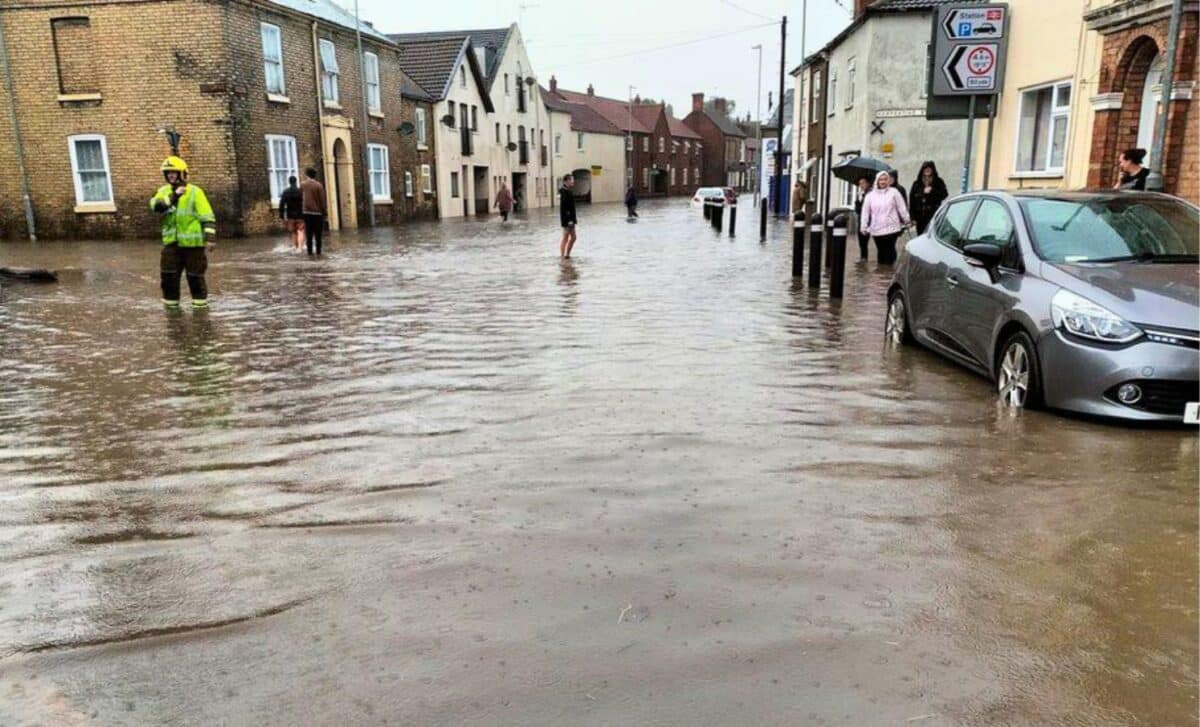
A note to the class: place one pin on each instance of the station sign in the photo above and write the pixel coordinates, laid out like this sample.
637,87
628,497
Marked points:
969,48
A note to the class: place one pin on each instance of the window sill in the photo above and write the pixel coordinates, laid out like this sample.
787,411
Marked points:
332,105
375,114
93,208
77,97
1036,175
278,98
422,147
382,200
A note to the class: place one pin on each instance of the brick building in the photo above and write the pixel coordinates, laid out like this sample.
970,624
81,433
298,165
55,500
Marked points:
257,90
674,163
723,143
1128,100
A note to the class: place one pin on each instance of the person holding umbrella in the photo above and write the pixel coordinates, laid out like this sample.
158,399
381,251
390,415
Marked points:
884,217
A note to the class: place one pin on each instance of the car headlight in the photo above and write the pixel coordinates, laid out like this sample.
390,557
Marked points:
1081,317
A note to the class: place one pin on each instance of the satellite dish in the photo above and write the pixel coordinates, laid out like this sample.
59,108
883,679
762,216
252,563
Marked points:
406,128
530,80
512,146
448,119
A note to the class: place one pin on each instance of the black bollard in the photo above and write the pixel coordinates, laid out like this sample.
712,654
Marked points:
732,217
837,255
718,215
798,245
829,233
815,229
707,210
762,221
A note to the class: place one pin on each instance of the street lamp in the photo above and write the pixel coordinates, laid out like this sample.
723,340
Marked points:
758,123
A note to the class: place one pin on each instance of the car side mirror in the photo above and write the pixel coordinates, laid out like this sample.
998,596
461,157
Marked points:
986,255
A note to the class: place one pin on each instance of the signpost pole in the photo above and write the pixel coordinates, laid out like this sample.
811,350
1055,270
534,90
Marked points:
987,154
966,178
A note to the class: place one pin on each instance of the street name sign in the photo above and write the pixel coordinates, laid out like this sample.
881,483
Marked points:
969,48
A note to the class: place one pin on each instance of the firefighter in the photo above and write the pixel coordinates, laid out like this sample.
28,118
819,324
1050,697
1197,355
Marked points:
188,226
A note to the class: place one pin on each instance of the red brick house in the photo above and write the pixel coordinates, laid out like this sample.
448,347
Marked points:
723,144
1128,96
673,165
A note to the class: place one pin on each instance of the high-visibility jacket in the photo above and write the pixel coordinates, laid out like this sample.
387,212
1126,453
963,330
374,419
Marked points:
189,220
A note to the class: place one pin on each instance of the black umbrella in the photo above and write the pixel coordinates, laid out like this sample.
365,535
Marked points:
852,170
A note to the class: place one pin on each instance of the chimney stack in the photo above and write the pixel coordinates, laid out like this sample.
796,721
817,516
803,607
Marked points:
553,84
719,105
591,91
637,99
697,102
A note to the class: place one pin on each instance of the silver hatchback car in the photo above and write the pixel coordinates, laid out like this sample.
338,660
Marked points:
1082,301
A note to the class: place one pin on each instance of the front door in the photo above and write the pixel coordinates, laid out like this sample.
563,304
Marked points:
975,301
518,191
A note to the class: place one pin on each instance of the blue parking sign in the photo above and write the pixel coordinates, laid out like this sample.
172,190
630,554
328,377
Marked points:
964,30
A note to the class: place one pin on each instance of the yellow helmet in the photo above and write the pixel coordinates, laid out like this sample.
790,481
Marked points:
174,164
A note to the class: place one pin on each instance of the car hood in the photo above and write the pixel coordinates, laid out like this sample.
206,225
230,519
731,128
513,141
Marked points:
1162,294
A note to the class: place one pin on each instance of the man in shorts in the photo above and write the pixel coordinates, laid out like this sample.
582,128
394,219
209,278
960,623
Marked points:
566,214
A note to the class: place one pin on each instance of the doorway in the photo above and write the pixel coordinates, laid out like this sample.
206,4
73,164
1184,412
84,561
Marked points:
482,194
658,182
518,191
343,184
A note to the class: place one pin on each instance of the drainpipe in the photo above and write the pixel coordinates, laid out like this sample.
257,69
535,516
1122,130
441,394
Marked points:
362,71
550,152
1155,180
26,200
316,47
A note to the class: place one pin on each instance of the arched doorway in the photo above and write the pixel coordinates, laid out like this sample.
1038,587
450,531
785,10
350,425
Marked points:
1151,105
343,183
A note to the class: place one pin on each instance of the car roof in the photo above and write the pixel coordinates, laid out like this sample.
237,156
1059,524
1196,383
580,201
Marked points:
1069,195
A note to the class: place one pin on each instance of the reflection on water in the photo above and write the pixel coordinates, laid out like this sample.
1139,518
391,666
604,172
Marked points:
442,474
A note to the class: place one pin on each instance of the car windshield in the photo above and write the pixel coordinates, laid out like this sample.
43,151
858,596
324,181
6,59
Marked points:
1109,229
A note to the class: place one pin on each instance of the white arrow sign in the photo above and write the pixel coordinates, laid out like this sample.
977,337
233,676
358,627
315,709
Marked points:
974,24
972,67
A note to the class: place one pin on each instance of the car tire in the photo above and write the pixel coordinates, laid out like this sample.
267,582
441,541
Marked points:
1018,374
896,331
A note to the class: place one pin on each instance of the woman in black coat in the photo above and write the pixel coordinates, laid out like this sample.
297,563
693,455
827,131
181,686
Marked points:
927,194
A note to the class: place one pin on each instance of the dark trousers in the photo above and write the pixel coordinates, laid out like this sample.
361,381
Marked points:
314,225
631,209
885,246
504,215
190,260
922,224
864,240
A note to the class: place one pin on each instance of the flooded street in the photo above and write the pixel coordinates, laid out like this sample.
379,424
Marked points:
441,478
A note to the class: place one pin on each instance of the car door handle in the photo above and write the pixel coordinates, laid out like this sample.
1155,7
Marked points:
952,280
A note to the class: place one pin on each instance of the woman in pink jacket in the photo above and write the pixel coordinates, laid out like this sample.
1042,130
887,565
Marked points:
884,217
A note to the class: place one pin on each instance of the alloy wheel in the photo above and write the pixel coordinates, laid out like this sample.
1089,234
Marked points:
1013,381
896,321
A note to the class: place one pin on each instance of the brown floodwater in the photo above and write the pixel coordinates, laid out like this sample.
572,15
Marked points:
439,477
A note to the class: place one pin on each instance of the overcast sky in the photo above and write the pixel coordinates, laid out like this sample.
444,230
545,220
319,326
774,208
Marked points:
614,43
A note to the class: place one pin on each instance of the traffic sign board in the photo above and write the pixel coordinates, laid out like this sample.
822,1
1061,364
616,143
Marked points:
969,48
975,23
972,68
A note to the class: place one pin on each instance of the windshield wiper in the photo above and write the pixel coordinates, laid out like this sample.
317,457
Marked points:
1145,256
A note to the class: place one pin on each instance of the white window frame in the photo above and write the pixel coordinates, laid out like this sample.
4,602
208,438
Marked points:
408,184
685,176
815,98
662,144
329,71
371,68
426,179
422,128
851,81
292,171
268,61
75,172
696,173
645,143
831,102
381,175
672,176
1056,113
927,78
579,141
